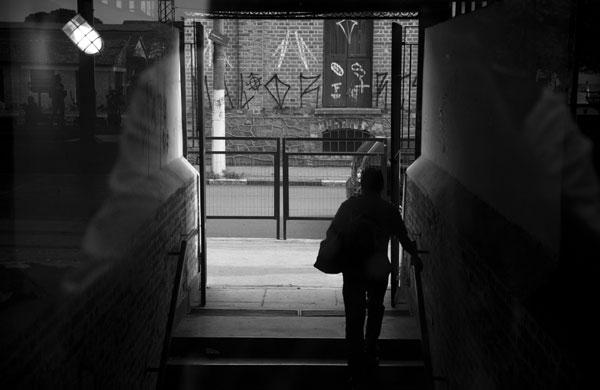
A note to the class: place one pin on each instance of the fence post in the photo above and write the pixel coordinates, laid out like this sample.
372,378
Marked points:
277,183
286,188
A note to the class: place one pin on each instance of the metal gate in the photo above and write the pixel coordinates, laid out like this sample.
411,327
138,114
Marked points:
249,188
315,182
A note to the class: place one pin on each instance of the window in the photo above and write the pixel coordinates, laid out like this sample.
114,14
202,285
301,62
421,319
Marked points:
344,133
119,3
347,59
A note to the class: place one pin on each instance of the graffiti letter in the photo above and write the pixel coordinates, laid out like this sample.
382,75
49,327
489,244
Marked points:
309,88
381,84
347,27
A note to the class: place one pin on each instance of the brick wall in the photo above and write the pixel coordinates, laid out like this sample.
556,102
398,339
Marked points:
102,325
280,51
107,335
479,269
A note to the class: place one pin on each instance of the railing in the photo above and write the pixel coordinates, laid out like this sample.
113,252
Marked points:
239,202
330,199
166,344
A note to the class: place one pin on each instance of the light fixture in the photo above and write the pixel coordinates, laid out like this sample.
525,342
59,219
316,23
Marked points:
83,35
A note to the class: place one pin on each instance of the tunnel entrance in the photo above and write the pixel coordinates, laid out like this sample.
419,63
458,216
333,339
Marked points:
308,77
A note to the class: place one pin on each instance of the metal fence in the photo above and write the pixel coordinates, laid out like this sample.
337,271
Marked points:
315,183
249,188
284,179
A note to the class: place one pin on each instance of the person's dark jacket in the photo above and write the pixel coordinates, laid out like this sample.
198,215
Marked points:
383,213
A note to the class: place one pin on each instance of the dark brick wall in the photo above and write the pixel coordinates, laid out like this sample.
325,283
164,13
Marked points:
106,336
484,200
479,270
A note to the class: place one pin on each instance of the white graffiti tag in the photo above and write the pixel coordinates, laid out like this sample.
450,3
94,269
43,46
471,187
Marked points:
337,69
303,50
282,49
347,27
336,90
209,49
301,46
360,73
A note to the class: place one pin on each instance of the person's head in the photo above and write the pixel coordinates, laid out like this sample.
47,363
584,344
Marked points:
371,181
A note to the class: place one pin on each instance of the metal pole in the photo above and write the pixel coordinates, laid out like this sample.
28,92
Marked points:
395,143
182,81
286,195
218,112
86,96
199,39
277,183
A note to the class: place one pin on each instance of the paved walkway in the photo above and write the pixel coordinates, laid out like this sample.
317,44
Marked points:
253,273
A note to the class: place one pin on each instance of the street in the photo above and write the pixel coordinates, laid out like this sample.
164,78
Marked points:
249,200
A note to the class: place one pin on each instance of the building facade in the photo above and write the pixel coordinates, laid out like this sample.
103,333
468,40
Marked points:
303,77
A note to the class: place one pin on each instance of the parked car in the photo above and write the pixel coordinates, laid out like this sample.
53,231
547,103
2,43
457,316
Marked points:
359,163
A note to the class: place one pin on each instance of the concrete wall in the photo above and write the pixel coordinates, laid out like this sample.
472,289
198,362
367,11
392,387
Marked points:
102,326
485,198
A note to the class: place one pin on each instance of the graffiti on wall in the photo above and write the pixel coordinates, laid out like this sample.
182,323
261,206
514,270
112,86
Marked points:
277,89
253,83
310,88
358,89
209,50
302,50
381,88
347,27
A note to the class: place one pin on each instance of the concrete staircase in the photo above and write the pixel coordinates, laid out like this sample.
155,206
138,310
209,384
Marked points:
284,349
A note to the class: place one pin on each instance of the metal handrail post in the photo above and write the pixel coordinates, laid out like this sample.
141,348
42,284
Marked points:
417,266
277,183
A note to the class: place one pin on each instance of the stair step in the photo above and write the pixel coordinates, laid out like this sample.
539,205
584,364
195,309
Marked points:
205,361
286,326
251,374
400,310
286,348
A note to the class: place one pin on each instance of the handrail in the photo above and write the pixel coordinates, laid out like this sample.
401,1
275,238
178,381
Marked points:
166,345
417,266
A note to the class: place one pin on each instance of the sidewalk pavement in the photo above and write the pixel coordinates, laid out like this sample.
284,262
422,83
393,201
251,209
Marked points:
264,175
248,273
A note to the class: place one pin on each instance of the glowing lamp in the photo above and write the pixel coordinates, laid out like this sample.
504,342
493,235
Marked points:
83,35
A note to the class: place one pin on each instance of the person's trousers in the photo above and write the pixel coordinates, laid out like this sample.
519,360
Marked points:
362,297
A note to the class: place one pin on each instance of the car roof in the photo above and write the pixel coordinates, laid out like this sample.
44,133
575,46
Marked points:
370,147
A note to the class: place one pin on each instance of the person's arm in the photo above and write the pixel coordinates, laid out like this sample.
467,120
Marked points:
399,230
338,222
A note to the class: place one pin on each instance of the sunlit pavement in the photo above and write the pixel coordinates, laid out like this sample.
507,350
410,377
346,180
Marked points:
245,273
